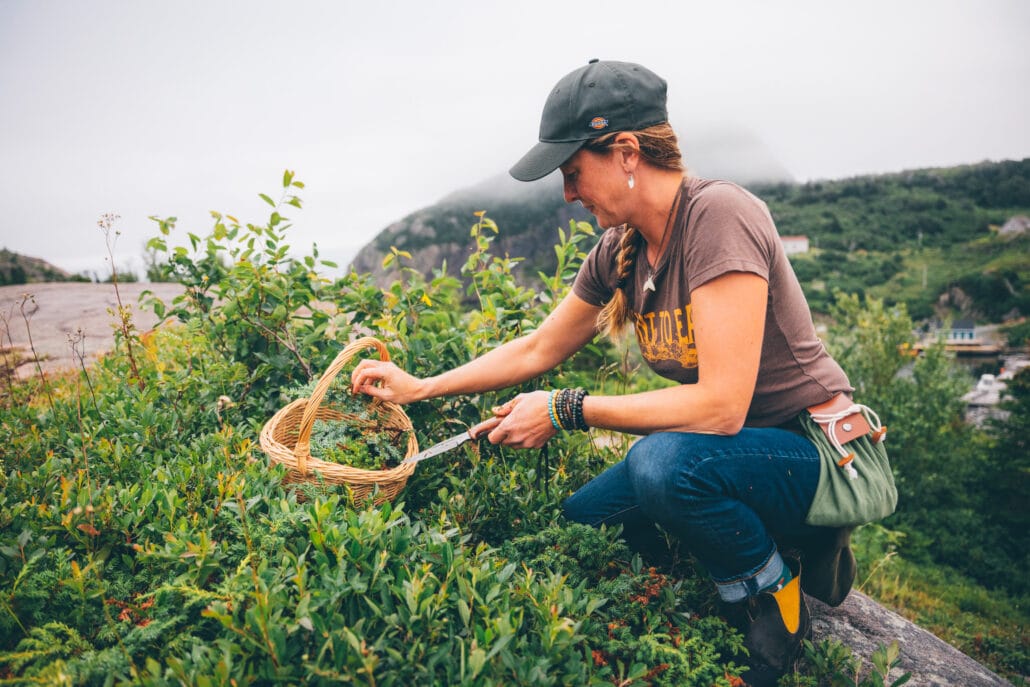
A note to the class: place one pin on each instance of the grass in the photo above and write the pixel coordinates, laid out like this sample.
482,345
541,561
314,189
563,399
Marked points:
988,625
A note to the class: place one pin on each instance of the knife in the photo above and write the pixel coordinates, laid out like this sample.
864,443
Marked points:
452,443
437,449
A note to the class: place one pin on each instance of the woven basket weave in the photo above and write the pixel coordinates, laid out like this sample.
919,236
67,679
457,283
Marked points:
286,437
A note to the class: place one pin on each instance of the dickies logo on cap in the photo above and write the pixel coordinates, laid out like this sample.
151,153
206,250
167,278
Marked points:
598,123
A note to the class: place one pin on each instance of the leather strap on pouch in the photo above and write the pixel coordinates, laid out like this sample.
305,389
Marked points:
846,428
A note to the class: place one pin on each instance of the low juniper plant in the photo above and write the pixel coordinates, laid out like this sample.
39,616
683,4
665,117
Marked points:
361,435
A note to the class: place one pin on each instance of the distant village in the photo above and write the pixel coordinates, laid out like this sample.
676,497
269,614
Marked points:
963,338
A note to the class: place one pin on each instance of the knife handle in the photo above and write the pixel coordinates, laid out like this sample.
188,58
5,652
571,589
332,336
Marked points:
485,427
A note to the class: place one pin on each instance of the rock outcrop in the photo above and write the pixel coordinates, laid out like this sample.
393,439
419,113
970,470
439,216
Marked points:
528,215
864,625
57,311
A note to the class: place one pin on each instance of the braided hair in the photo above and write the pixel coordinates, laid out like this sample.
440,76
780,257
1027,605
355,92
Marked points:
615,312
658,147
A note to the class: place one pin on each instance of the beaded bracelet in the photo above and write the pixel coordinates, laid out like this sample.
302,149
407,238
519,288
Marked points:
561,407
551,412
578,418
566,409
579,422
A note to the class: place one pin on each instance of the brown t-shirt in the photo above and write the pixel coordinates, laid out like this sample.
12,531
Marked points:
721,228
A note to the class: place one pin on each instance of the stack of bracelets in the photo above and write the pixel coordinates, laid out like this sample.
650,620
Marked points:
565,406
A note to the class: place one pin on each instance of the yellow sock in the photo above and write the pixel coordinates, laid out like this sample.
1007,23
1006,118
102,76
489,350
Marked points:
788,599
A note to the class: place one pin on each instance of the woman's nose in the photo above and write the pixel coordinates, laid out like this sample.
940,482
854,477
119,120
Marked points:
570,191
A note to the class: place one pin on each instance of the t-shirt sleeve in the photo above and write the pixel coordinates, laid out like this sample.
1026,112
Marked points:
595,281
732,232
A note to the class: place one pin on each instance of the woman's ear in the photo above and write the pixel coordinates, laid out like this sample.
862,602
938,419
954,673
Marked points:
627,147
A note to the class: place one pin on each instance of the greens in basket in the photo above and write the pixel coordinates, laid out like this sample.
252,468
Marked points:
361,438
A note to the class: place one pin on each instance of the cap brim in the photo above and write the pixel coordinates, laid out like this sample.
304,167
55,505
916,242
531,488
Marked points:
544,158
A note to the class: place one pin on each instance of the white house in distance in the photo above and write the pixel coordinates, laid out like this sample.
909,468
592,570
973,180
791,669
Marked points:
1016,226
792,245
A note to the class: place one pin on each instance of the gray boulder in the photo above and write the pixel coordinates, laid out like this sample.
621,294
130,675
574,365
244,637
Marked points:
864,625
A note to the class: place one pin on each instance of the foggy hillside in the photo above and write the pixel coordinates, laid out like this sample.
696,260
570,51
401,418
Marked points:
529,214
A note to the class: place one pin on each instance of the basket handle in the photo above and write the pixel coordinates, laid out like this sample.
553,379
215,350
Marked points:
302,449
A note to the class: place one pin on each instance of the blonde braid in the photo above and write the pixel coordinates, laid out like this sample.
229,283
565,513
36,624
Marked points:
613,316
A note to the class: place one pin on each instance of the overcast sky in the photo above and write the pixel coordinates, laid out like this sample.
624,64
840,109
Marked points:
179,108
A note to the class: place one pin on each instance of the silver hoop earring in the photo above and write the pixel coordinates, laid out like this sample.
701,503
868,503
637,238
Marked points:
632,182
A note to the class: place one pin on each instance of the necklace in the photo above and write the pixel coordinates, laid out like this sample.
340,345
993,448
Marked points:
649,284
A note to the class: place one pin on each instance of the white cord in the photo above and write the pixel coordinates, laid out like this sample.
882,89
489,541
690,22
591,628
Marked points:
831,420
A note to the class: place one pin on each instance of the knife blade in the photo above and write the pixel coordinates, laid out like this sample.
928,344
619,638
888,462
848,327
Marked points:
452,443
437,449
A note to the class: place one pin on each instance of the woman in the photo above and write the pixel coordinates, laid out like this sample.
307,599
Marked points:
698,268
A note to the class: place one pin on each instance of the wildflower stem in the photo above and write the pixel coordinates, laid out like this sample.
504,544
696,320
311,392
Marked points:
32,347
106,223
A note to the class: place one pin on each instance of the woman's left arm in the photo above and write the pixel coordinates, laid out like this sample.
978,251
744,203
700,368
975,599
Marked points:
728,315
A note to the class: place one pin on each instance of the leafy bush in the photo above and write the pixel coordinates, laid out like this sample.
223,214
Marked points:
144,539
948,476
1018,334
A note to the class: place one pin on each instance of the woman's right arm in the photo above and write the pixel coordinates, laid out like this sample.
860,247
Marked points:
569,327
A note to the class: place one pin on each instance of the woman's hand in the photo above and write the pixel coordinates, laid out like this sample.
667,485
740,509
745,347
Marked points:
385,381
522,422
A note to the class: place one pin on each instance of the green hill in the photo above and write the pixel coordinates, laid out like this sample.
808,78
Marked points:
21,269
927,237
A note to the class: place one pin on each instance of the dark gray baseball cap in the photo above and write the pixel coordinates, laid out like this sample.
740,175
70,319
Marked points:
602,97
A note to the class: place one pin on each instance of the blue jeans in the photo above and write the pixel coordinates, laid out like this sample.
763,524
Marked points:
725,497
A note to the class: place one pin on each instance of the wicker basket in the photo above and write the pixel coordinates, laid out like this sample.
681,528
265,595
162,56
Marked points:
286,437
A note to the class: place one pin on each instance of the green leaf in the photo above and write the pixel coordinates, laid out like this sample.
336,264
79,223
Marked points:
266,199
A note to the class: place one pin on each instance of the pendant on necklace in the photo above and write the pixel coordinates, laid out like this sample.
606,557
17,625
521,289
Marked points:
649,284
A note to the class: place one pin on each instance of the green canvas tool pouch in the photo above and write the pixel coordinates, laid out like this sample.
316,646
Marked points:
856,484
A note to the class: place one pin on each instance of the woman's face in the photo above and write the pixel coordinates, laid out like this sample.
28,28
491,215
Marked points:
598,181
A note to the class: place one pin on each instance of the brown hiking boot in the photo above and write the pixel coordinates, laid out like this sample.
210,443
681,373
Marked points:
774,625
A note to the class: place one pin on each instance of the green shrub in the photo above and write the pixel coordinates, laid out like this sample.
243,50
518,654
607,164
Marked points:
145,539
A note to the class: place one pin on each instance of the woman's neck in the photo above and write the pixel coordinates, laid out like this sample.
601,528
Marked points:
656,212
